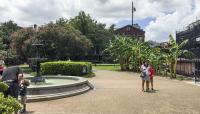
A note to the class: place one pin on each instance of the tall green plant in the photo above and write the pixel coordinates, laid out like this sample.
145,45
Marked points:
121,49
175,50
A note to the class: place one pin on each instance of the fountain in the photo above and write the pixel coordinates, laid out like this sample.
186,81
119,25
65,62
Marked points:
38,78
54,86
37,60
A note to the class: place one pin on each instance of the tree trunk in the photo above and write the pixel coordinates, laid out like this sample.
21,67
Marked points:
175,64
166,69
170,69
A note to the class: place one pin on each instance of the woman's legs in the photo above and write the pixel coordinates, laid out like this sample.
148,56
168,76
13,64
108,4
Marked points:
151,80
147,85
143,85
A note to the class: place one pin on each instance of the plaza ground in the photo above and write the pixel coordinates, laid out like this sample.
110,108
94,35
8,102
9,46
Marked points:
120,93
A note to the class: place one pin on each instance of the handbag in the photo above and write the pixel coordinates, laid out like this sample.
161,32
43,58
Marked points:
143,74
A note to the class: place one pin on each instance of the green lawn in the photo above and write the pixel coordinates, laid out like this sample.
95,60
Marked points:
112,67
25,68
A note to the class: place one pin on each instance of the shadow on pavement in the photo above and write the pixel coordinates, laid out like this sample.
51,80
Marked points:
28,112
152,91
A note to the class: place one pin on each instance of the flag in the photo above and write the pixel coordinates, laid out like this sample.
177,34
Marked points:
133,8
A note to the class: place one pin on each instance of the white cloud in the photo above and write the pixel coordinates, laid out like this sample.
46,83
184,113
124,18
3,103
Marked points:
166,24
169,15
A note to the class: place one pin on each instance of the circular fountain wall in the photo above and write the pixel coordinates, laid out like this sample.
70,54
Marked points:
57,87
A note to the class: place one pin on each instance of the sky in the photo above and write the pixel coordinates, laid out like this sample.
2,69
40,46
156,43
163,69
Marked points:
158,18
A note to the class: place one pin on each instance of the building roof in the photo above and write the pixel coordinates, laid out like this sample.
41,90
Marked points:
135,26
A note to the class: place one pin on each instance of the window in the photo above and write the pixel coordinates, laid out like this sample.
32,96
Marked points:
128,28
198,39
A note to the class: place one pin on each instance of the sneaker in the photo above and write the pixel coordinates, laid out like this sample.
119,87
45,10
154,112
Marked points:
147,90
22,111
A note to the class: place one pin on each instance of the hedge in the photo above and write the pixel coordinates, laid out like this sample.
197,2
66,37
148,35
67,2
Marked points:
66,68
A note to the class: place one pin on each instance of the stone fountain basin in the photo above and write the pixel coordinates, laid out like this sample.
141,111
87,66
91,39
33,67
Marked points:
57,87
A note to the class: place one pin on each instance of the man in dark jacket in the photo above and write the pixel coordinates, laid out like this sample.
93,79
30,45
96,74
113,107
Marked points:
12,77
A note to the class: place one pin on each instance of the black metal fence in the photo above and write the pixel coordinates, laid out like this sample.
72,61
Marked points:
197,71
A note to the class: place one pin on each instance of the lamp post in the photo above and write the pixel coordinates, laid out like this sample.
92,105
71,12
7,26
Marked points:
7,54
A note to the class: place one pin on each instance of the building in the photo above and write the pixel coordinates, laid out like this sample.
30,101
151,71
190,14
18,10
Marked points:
131,31
192,33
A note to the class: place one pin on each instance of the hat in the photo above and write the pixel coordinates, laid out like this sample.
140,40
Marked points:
1,62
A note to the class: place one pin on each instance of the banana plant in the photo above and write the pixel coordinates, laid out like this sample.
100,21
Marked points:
121,49
175,50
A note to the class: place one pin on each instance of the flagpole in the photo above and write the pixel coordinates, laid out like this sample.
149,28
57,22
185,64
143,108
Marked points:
132,13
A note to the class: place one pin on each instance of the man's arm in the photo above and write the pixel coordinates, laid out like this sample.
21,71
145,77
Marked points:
0,78
20,75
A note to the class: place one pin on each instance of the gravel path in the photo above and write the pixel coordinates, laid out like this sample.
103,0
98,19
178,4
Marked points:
120,93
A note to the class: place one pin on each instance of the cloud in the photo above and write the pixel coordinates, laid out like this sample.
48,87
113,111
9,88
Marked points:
168,15
166,24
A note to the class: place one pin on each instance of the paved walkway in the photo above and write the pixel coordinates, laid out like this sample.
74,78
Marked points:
120,93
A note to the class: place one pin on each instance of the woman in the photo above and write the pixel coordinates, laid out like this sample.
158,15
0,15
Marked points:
1,67
145,75
151,75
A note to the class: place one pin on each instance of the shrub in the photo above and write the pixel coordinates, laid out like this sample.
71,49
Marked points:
3,87
66,68
8,105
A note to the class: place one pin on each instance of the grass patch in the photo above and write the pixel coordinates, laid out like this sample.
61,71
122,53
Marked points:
181,77
90,75
25,68
105,64
112,67
178,77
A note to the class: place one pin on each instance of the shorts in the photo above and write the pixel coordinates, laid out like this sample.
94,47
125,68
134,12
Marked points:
146,78
13,90
1,72
23,99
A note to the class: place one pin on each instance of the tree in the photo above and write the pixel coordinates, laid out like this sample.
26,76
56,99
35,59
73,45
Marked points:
83,22
2,49
21,44
61,42
112,28
7,28
96,32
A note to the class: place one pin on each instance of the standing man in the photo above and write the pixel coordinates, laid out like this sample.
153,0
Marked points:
12,76
1,67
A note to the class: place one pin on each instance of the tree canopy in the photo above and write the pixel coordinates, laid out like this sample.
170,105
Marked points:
96,32
61,42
